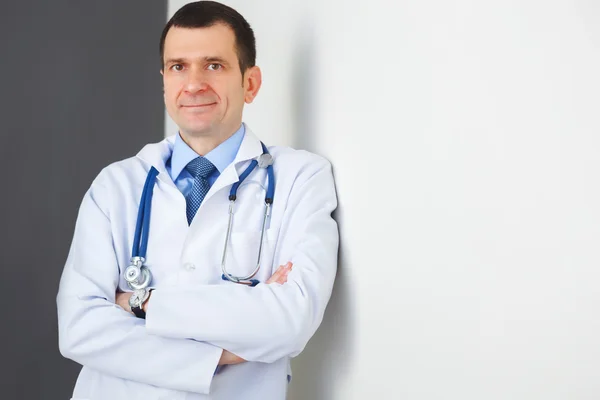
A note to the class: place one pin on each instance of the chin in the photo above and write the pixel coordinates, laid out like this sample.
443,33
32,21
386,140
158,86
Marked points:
198,129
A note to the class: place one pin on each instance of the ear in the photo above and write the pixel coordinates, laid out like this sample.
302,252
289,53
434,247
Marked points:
252,82
163,86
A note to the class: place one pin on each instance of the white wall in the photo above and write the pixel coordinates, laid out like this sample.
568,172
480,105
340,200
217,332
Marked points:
464,137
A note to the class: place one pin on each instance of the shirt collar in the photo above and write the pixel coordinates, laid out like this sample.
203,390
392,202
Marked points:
221,156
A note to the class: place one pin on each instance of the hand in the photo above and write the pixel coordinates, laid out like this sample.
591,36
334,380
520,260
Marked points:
228,358
280,276
122,300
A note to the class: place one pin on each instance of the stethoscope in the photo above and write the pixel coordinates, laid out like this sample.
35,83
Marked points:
138,276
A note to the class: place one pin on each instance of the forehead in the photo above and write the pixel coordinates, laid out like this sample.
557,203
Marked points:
217,40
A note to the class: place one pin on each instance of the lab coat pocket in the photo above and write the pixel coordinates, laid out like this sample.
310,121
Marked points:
242,253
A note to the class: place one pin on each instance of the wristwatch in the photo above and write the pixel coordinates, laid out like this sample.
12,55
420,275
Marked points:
137,300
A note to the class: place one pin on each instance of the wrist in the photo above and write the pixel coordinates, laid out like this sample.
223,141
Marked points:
137,300
145,304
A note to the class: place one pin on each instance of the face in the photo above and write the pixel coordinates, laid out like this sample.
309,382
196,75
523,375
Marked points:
204,89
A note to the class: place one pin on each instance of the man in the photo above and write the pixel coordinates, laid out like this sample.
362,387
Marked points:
193,334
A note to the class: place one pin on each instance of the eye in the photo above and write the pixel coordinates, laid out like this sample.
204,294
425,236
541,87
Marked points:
177,67
214,67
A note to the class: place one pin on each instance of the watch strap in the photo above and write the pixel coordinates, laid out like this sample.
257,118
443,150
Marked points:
139,312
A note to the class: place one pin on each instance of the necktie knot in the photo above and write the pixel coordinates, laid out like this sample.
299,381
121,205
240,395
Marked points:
200,167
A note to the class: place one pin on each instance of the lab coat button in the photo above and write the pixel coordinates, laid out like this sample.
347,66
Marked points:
189,266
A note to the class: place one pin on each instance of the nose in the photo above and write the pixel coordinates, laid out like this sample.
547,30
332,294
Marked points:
196,81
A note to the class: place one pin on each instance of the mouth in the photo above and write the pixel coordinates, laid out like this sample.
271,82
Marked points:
197,106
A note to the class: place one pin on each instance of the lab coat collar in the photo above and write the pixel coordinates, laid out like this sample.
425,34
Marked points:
249,149
157,155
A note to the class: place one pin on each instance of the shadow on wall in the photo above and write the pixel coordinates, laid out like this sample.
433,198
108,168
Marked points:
327,357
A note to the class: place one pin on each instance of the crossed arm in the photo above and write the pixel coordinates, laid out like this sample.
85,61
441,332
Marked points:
227,358
174,349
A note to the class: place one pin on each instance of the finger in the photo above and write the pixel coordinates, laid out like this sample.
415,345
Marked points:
276,275
286,270
280,276
282,279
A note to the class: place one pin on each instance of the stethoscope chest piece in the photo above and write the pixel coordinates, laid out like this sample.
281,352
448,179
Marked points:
137,276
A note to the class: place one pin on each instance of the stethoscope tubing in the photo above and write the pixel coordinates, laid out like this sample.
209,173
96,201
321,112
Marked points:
137,270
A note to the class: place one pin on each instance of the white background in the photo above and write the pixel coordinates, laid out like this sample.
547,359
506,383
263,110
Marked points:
464,139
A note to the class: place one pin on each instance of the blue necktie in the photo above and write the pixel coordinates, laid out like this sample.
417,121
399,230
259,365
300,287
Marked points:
200,168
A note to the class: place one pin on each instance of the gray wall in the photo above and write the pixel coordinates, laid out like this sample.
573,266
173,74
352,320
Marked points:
80,88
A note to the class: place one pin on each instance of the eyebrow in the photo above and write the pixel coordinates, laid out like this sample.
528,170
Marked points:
174,61
208,59
216,60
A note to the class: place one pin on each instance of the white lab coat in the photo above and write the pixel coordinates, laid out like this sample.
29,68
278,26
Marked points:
193,314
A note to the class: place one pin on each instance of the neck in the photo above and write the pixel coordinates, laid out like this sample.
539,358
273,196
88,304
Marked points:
204,144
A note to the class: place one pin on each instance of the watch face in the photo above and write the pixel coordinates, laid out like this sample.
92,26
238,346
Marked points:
136,298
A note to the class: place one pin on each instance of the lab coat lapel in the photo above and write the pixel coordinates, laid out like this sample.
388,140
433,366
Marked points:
249,149
156,155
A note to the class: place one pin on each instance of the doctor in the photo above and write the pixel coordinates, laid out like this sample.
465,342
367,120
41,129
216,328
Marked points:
193,334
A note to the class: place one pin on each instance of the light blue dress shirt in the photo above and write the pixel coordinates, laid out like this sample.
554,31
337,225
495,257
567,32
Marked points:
220,157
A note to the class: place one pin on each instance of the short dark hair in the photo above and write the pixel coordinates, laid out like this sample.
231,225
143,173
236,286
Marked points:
204,14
